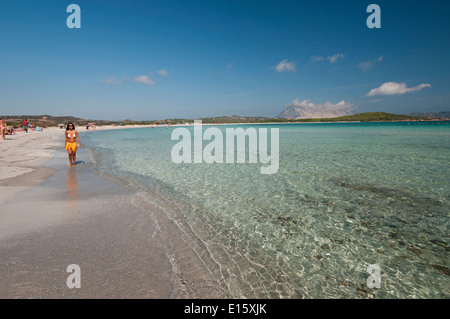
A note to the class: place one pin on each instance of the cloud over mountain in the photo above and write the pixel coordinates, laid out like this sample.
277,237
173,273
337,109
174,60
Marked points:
308,110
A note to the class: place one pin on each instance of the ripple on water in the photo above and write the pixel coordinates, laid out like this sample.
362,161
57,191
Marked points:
345,196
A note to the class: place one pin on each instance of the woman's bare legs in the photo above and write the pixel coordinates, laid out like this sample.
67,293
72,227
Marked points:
70,156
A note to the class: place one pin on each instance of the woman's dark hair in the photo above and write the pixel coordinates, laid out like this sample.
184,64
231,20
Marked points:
67,128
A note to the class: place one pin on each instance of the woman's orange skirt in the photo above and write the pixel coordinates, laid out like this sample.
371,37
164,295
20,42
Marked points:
73,146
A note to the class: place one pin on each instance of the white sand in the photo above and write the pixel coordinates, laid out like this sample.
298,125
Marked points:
21,153
52,215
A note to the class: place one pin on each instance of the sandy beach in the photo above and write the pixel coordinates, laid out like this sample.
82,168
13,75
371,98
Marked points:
52,216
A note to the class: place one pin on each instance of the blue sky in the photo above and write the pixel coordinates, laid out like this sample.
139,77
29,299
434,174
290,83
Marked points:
184,59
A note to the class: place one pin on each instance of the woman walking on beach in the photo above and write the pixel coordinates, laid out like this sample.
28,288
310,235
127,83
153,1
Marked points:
71,143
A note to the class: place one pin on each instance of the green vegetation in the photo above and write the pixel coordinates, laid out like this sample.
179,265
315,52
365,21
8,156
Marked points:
362,117
41,120
232,119
47,120
368,117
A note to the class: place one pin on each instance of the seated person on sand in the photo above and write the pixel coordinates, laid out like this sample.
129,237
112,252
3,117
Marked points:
71,143
10,131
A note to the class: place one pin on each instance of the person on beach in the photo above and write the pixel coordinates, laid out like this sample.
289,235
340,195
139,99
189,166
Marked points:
10,131
26,124
2,128
71,143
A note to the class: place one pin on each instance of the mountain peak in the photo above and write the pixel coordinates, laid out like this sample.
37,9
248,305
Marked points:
308,110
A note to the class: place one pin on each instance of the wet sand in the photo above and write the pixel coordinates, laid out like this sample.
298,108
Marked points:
52,216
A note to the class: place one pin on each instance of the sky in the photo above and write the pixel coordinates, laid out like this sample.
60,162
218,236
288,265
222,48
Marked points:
147,60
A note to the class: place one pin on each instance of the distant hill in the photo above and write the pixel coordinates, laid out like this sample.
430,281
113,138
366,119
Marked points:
305,110
42,118
362,117
432,115
373,117
48,120
234,119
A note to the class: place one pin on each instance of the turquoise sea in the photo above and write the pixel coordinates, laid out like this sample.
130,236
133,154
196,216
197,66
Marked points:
346,195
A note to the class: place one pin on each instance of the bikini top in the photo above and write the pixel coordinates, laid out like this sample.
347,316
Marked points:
73,135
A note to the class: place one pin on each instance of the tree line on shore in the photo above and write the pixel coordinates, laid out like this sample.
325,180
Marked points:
48,120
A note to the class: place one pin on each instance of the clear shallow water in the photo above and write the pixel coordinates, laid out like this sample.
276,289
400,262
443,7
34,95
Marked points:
346,195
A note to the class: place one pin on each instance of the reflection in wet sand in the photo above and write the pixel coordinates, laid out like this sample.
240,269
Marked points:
72,192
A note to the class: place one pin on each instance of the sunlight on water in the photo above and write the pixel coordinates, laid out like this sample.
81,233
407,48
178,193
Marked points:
345,196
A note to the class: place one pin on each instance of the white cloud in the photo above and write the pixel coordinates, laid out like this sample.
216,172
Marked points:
113,80
332,58
308,109
366,66
144,79
285,66
335,58
163,73
394,88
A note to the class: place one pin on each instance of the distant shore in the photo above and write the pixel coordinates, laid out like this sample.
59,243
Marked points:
51,121
110,127
271,123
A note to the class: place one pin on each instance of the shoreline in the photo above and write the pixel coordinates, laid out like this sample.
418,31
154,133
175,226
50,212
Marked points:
119,127
127,246
108,127
53,215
